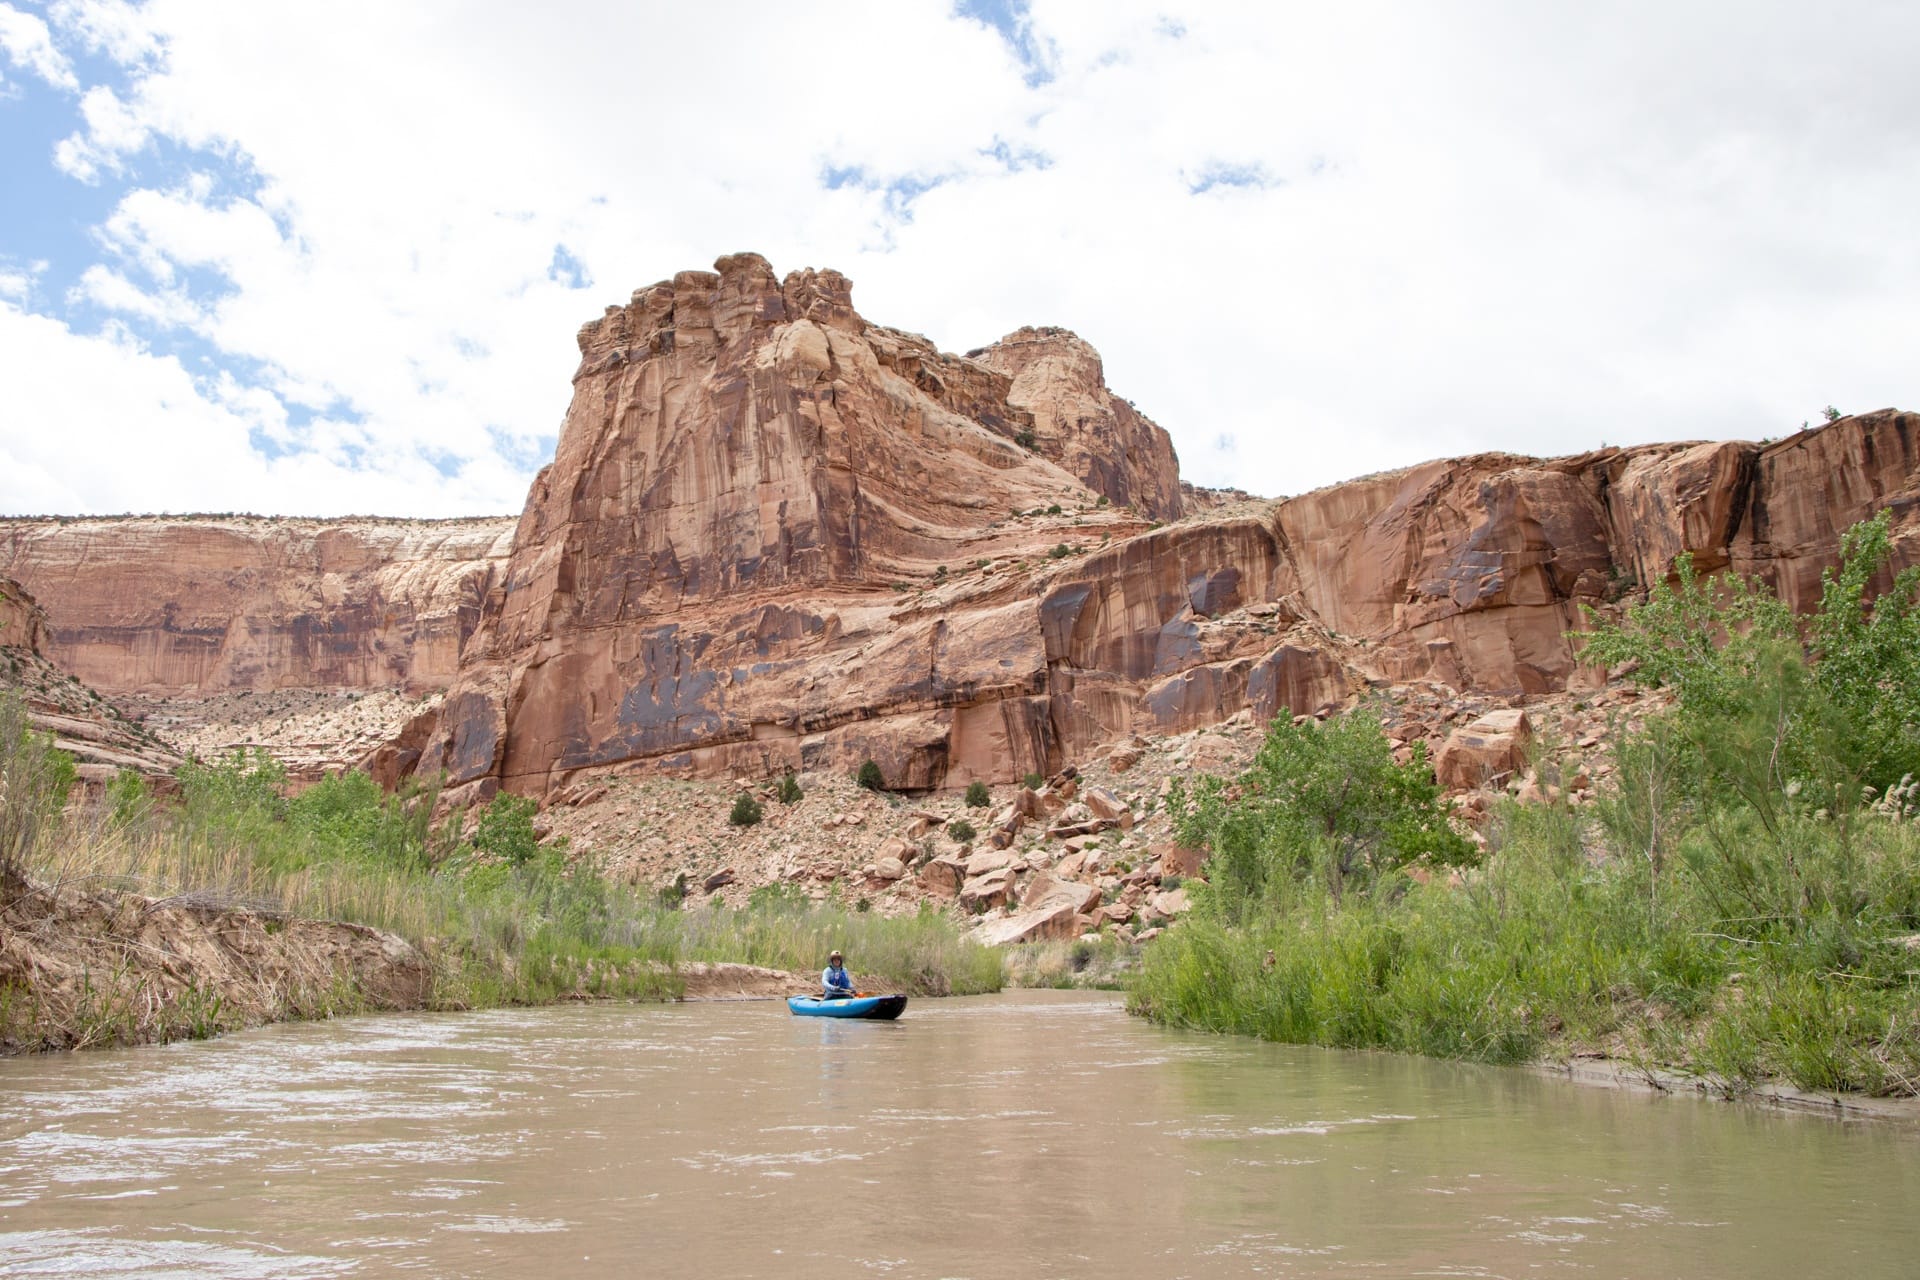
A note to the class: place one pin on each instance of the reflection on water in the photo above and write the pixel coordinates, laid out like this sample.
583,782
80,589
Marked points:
1027,1135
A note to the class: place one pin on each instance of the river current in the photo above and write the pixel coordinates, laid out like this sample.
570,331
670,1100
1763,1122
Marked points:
1026,1135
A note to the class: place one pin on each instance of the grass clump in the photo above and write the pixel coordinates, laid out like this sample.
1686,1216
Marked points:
1742,903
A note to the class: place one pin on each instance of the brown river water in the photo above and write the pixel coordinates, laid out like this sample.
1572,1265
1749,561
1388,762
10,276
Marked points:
1027,1135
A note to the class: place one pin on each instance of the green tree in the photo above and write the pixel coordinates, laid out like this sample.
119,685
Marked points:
977,795
788,791
1831,703
870,777
1319,798
505,829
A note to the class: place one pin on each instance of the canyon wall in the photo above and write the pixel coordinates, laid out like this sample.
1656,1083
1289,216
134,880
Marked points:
171,605
777,536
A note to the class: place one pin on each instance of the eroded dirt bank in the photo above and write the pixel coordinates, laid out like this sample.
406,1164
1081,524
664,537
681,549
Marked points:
89,968
81,968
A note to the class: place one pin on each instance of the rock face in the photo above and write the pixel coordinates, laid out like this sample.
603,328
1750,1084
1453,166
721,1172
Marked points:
167,606
718,571
777,536
1077,422
23,623
94,732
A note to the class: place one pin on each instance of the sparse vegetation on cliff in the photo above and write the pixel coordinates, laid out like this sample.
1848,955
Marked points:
1742,903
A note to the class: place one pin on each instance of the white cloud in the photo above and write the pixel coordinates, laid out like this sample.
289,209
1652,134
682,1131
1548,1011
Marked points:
29,46
1335,238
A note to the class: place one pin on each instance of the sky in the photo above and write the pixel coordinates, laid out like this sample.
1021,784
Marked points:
330,259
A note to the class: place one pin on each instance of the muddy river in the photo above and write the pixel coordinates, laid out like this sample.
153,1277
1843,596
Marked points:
1026,1135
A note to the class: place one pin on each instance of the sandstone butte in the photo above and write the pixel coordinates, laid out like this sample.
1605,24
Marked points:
777,536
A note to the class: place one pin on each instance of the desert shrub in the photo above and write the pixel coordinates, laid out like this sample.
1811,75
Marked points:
788,791
961,830
505,829
1321,799
1025,438
1060,551
1033,781
869,776
1054,509
977,795
746,811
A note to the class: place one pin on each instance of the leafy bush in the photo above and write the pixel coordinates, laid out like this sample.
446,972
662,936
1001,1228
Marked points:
788,791
977,795
961,830
869,776
129,799
746,811
1321,799
1033,781
1054,509
505,829
1060,551
1025,438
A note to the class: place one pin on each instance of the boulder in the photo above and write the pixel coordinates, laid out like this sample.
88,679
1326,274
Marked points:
1052,919
989,890
943,876
1104,804
988,860
1170,904
889,869
1176,859
1044,888
718,880
1493,746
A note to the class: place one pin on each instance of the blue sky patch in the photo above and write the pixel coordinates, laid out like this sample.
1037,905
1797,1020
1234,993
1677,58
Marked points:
567,270
1218,174
1013,20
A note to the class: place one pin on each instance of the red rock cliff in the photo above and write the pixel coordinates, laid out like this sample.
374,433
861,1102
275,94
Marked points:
777,536
196,605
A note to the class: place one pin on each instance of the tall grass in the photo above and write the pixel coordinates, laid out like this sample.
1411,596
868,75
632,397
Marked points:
518,925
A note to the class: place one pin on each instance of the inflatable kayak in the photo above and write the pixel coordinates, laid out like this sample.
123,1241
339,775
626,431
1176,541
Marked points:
847,1007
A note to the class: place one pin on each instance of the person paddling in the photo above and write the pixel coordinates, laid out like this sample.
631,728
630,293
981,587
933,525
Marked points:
835,978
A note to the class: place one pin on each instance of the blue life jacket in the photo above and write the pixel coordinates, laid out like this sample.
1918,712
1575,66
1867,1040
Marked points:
833,980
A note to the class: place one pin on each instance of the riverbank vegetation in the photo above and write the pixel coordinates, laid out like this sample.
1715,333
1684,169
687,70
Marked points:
500,918
1741,902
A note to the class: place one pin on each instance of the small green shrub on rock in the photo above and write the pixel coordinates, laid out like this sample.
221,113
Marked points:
789,792
961,830
870,776
977,795
746,811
